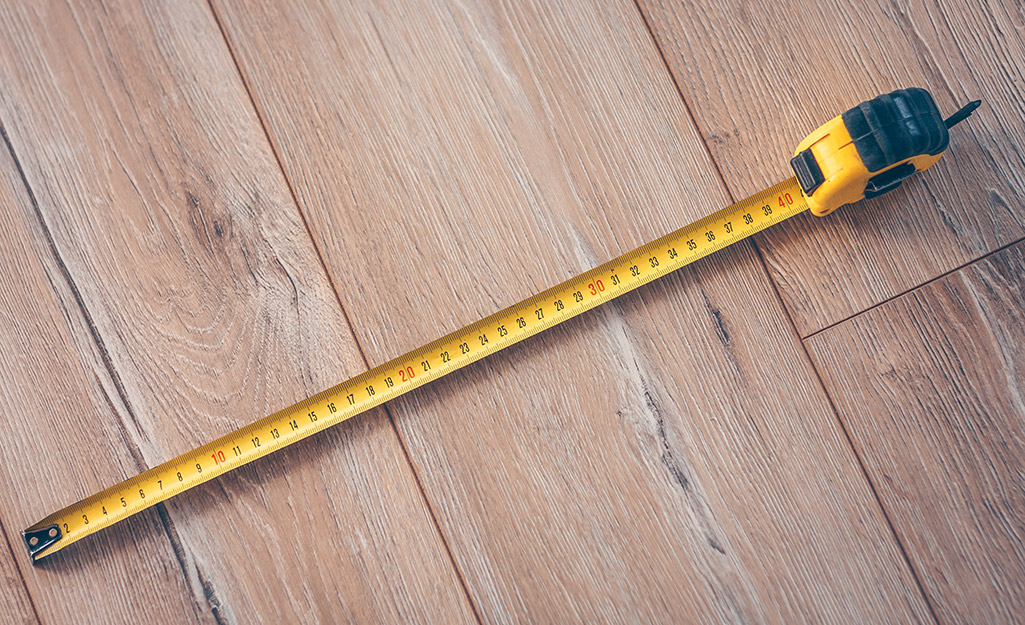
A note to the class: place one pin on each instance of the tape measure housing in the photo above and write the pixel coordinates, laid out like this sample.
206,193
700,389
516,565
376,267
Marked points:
872,148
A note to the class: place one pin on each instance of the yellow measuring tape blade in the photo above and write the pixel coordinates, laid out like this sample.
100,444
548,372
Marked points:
402,374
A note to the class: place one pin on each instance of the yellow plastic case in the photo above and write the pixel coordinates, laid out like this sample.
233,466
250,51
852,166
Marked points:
870,149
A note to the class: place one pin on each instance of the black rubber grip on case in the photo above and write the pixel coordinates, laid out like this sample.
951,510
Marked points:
896,126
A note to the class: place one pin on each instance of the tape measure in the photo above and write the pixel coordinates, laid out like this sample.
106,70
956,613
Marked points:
865,152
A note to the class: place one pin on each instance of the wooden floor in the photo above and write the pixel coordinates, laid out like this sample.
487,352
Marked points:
209,211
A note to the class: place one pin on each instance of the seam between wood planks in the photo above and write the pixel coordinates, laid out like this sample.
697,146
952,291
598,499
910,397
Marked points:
957,269
10,548
53,250
790,321
345,314
847,436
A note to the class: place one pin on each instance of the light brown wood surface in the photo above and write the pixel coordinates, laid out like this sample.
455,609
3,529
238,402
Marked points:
930,387
757,80
66,439
189,291
15,604
208,211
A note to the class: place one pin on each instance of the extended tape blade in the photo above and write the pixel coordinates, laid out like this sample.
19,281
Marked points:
400,375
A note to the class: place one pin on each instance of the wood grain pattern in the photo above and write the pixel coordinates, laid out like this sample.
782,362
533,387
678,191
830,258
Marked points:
670,457
166,286
15,603
931,388
64,438
758,79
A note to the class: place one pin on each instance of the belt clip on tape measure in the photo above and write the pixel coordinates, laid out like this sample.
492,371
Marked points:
865,152
872,148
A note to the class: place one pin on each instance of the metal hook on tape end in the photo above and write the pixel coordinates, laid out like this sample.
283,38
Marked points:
38,539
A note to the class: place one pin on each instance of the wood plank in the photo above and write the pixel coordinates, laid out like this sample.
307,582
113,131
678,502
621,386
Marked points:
758,80
669,458
197,304
59,422
930,386
15,605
